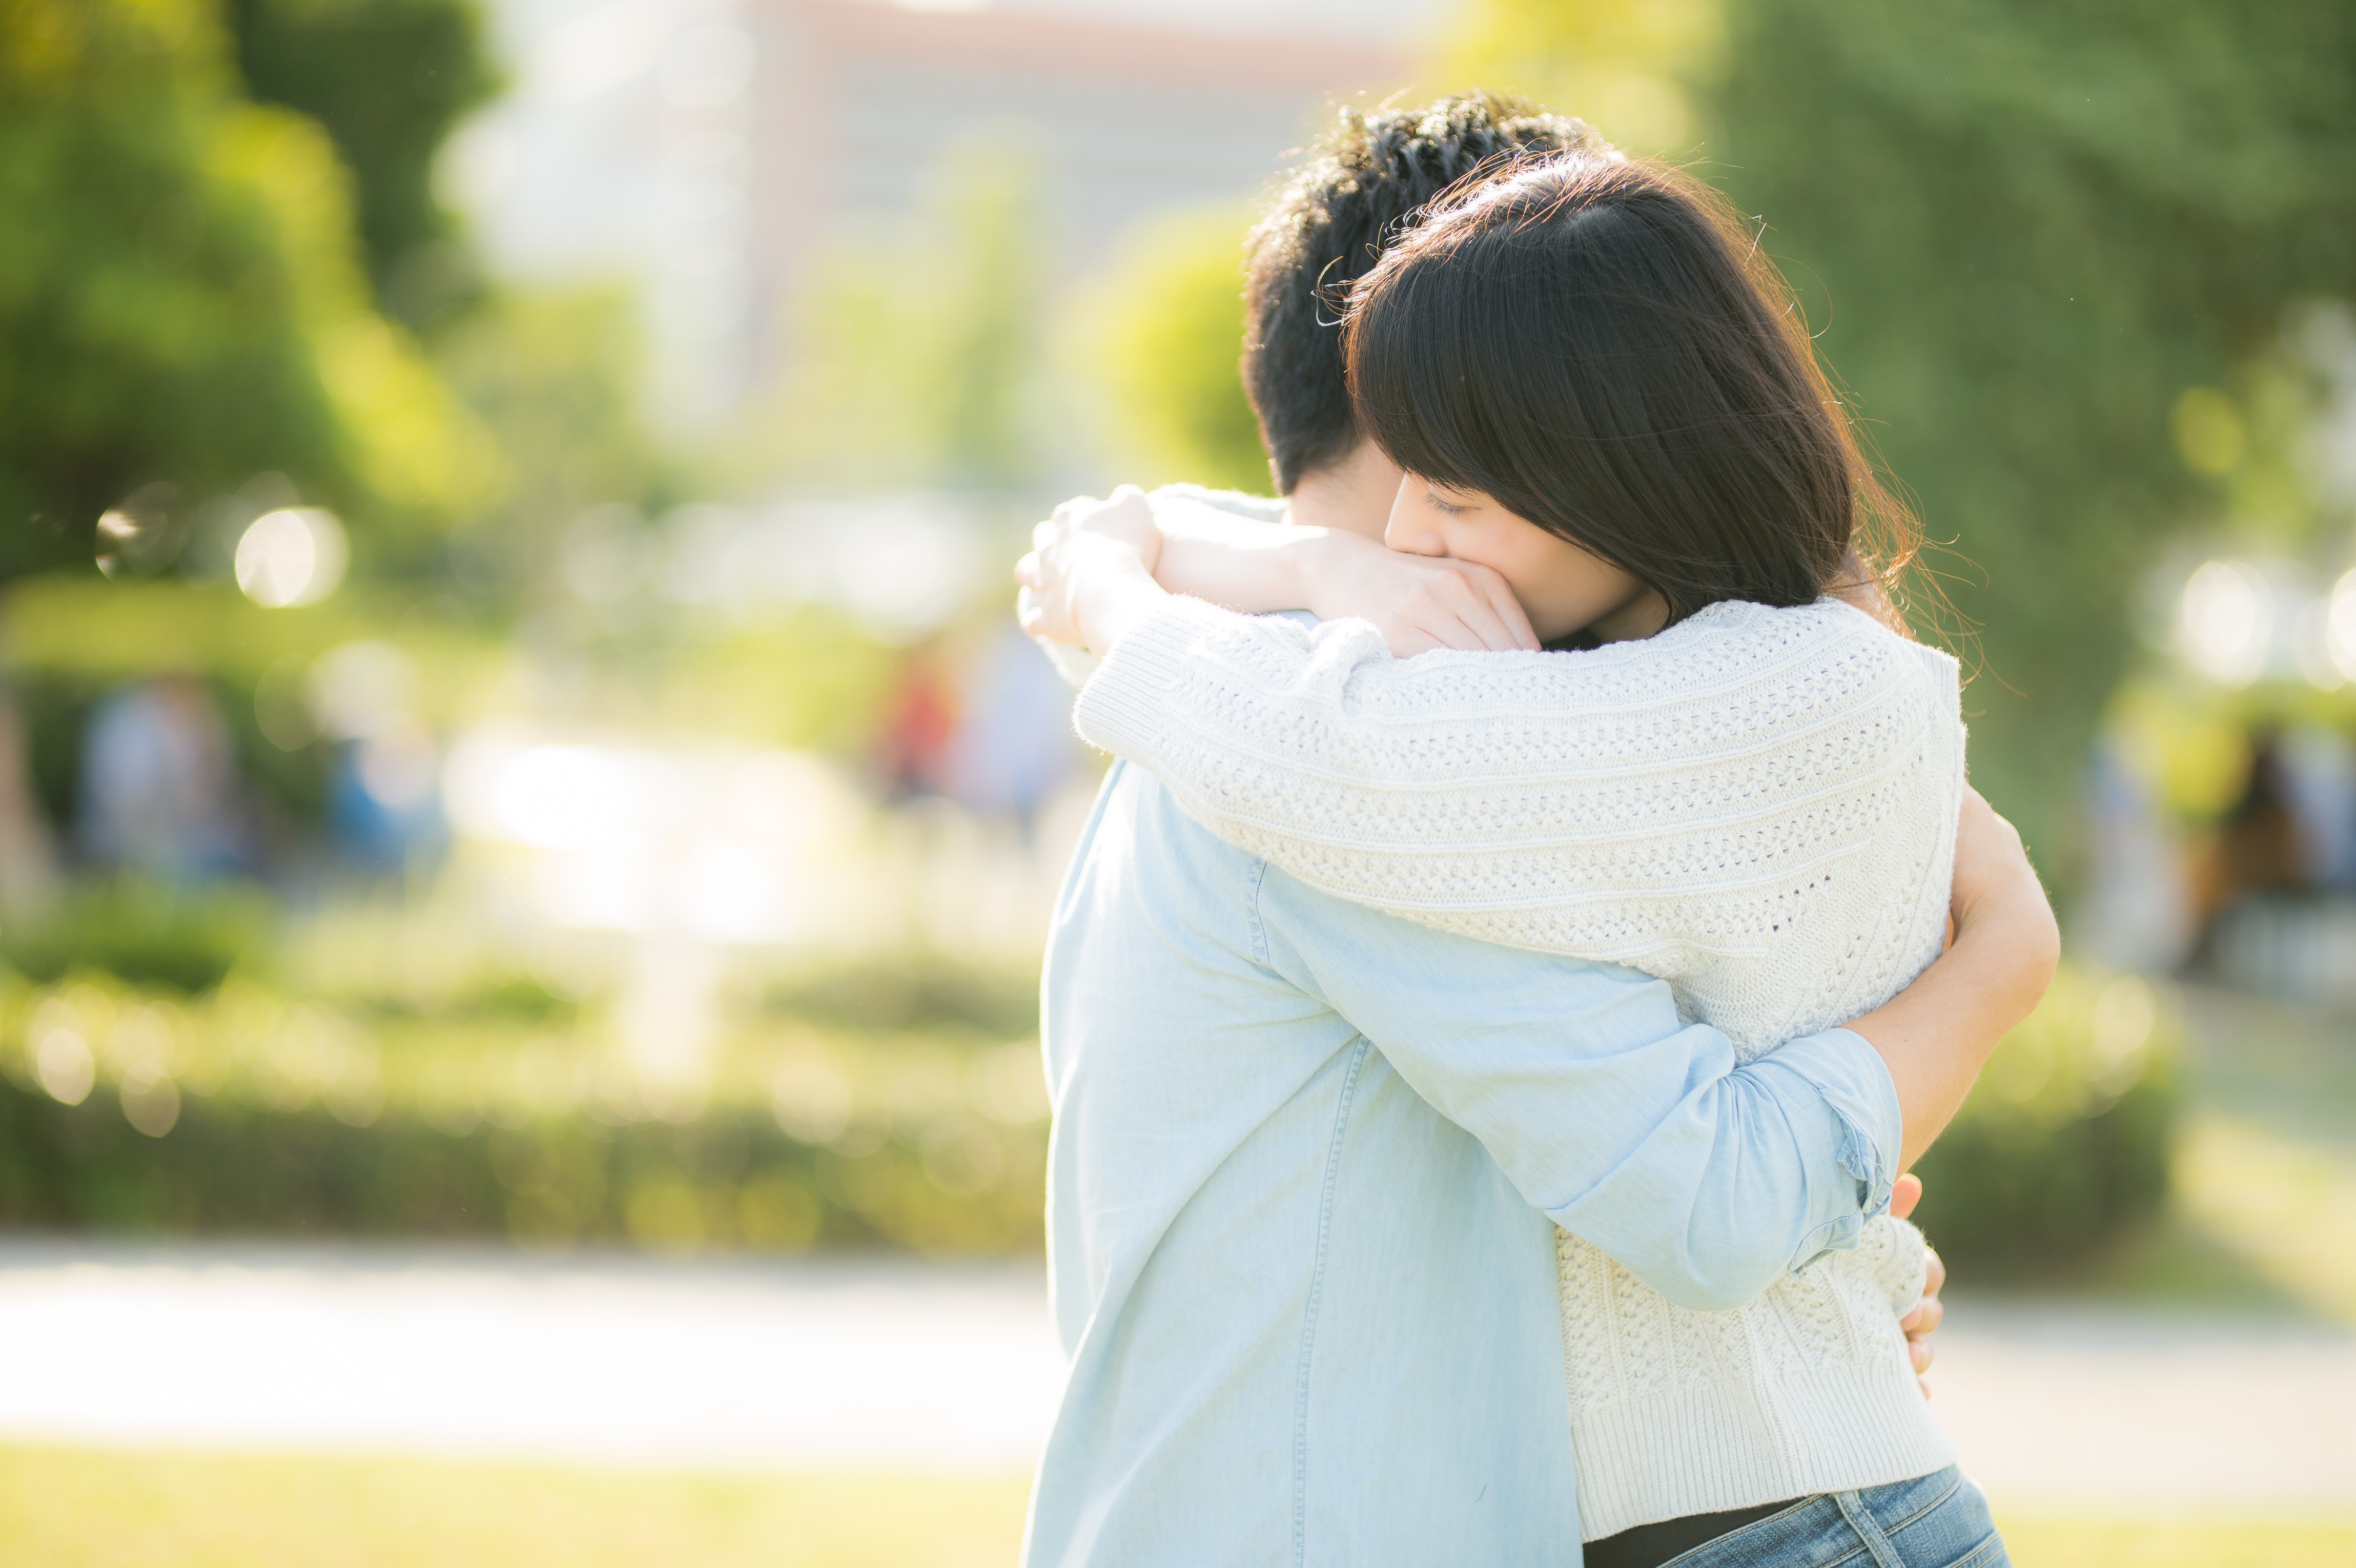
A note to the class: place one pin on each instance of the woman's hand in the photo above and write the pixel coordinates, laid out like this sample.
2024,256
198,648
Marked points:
1996,888
1417,601
1089,575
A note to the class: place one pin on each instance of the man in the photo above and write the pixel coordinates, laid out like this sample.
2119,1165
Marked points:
1309,1158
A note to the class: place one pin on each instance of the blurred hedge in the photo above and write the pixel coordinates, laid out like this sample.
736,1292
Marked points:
184,940
730,1179
504,1110
2064,1146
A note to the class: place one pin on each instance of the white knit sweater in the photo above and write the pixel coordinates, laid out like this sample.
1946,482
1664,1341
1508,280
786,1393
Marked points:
1757,806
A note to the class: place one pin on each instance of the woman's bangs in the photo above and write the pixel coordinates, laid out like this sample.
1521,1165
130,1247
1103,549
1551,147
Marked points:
1411,379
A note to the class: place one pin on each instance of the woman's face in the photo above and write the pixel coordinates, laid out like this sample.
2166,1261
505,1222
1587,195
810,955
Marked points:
1562,588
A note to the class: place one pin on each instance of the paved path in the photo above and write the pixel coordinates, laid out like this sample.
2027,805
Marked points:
861,1365
899,1364
2058,1406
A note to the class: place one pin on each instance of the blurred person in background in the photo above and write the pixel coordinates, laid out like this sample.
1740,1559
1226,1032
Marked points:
1280,1127
2137,911
920,716
1012,746
160,793
384,801
2260,849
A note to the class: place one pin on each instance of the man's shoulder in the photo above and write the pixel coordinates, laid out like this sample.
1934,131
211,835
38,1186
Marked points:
1140,825
1260,508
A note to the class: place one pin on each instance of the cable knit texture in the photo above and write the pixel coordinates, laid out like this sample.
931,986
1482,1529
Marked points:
1757,806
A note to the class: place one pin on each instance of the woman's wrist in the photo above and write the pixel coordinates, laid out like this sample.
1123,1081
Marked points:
1112,591
1321,562
1244,565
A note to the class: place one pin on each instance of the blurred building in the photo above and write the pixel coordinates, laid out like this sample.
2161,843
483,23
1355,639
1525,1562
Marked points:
706,147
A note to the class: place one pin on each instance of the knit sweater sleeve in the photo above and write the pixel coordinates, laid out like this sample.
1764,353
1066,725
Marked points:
1661,803
1897,1257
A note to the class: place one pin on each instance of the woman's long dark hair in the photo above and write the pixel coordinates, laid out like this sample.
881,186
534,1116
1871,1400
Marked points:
1596,342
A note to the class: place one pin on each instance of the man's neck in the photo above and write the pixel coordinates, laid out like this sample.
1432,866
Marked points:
1353,496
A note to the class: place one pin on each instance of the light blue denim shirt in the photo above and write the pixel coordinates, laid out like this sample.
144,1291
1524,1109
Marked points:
1306,1166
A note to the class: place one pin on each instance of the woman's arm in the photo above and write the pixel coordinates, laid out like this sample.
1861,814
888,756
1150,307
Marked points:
1195,548
1936,1034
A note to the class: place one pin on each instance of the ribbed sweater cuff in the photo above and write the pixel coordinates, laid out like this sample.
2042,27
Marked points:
1123,708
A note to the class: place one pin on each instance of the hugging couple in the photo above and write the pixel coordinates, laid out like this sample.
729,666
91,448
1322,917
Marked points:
1491,1004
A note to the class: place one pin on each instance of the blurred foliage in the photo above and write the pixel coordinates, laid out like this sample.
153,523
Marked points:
2024,229
1623,66
555,375
908,988
108,633
388,80
2304,1185
500,1108
2063,1146
1168,331
181,302
181,939
810,679
916,349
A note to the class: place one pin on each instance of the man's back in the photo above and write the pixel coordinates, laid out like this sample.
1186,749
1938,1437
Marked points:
1270,1255
1310,1319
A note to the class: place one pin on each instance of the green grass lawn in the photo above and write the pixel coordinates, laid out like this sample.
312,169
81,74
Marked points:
66,1508
2168,1543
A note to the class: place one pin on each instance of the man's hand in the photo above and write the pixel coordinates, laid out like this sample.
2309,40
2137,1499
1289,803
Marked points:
1090,570
1923,1319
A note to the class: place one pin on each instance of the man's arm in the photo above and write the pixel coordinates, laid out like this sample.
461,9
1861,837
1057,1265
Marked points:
1708,1181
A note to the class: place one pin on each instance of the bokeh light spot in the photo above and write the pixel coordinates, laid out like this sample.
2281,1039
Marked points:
294,555
65,1066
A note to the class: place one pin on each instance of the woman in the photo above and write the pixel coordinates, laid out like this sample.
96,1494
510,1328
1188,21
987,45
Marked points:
1617,446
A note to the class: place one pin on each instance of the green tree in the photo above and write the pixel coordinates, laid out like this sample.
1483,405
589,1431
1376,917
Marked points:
389,79
2024,229
180,299
915,348
1168,347
2030,225
554,375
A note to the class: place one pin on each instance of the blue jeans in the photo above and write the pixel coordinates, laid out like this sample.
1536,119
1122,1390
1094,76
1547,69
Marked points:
1933,1521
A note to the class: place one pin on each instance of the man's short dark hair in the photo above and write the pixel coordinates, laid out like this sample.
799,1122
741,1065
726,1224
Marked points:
1357,190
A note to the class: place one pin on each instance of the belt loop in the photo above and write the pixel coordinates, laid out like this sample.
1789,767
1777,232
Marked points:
1853,1508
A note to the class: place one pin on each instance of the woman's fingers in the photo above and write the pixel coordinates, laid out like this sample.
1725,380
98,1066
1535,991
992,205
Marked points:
1509,611
1485,630
1481,601
1452,605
